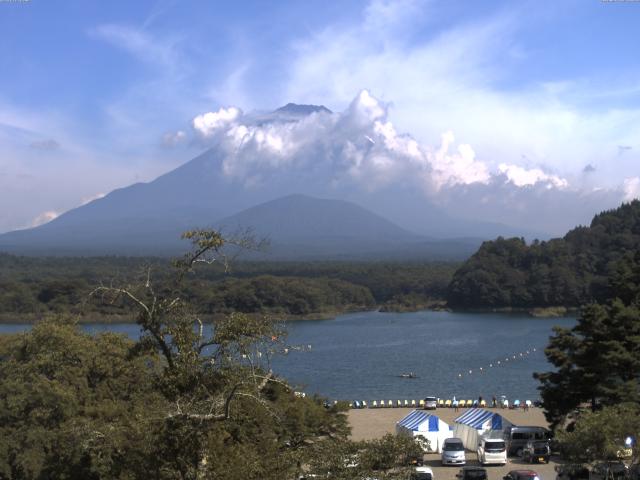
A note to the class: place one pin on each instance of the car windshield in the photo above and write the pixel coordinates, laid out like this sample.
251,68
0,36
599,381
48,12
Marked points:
421,476
494,446
453,446
430,399
475,475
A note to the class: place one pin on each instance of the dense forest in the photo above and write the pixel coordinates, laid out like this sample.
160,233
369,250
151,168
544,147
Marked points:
178,403
32,287
569,271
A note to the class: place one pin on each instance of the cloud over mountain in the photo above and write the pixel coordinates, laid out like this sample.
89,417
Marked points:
361,150
359,145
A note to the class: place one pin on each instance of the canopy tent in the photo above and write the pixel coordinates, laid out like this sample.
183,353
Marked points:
476,423
419,423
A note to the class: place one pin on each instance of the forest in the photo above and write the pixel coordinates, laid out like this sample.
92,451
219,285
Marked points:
34,287
570,271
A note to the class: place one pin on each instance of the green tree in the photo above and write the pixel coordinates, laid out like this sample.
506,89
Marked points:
601,435
598,360
74,405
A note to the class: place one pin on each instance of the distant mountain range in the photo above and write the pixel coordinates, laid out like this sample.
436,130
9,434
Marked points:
297,226
148,218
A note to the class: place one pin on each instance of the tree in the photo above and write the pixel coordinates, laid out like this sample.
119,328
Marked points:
598,360
189,400
74,405
601,435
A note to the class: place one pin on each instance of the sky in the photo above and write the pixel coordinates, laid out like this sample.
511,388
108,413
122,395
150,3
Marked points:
500,110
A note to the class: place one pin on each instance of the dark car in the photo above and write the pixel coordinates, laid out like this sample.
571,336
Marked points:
521,475
536,452
518,437
472,473
609,471
570,471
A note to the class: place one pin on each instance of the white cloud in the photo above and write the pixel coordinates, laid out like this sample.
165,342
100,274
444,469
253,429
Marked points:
461,77
44,217
208,123
172,139
522,177
458,168
91,198
359,145
140,43
631,188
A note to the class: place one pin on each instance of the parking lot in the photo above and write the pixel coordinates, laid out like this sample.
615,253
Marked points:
367,424
545,471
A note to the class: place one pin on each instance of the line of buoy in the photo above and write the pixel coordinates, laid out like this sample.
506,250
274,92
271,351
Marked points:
441,403
499,363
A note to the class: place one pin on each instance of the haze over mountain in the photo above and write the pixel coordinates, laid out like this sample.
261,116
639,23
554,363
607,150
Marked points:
211,190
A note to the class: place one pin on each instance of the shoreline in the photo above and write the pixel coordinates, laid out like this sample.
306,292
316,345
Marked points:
434,306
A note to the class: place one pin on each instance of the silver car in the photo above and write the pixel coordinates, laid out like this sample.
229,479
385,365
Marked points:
430,403
453,452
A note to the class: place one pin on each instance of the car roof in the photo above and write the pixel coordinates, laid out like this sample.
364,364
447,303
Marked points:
473,467
523,472
453,440
424,470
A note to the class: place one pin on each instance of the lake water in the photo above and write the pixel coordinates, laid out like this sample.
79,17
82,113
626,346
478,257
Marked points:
361,356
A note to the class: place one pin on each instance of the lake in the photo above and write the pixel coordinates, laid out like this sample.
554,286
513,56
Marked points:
361,356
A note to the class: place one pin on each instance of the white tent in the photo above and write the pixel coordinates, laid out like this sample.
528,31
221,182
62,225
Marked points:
476,423
419,423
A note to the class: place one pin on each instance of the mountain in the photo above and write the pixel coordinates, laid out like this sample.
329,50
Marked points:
569,271
301,218
148,218
297,226
297,109
300,226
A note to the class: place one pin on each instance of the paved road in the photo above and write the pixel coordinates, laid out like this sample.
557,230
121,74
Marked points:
545,471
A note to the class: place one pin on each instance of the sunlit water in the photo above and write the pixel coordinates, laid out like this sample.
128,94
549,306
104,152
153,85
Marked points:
362,355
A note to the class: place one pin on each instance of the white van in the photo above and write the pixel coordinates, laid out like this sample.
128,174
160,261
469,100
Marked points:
492,451
453,452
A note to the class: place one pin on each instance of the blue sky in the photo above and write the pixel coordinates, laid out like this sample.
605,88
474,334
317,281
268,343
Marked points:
94,94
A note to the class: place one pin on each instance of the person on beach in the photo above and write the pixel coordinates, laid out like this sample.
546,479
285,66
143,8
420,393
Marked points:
494,402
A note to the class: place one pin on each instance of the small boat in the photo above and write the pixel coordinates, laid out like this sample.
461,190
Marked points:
408,375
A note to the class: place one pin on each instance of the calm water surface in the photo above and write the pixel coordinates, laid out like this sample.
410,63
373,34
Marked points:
361,355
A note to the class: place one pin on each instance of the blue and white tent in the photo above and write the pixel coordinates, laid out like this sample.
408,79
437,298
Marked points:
419,423
476,423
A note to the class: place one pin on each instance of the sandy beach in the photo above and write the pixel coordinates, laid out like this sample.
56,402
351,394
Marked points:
369,424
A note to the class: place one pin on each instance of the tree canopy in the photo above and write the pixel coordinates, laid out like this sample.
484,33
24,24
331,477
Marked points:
601,435
188,400
598,360
31,288
569,271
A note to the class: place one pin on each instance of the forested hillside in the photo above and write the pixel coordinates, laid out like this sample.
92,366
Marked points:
32,287
568,271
